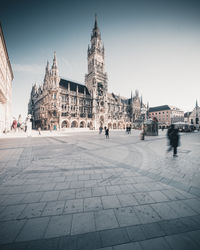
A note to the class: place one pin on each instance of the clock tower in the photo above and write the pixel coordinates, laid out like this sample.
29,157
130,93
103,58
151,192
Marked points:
96,79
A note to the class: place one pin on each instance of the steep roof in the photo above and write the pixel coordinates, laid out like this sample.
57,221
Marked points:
187,114
73,86
159,108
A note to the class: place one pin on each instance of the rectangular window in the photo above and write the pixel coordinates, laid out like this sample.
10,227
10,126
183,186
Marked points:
63,98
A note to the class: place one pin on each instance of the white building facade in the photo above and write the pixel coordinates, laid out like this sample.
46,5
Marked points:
6,77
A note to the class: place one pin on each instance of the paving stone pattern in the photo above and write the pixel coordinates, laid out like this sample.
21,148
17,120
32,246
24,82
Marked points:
81,191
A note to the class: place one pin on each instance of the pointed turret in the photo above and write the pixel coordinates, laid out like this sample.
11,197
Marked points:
196,104
54,61
47,67
141,101
95,23
47,72
54,73
96,31
54,68
147,110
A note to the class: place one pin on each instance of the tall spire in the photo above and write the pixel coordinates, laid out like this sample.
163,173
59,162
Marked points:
47,67
95,31
54,60
196,104
141,101
95,23
54,68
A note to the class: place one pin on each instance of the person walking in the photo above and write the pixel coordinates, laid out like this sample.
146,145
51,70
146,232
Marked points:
107,133
142,134
39,130
174,138
100,130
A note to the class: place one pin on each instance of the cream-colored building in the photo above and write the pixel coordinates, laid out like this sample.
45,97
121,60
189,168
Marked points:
6,77
62,103
166,115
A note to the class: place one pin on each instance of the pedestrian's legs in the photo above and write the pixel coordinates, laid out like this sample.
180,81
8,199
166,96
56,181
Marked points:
175,151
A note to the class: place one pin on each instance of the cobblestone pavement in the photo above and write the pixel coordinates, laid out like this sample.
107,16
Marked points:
85,192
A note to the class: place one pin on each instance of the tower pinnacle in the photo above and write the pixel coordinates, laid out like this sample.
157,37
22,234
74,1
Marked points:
95,31
54,60
47,67
54,68
95,23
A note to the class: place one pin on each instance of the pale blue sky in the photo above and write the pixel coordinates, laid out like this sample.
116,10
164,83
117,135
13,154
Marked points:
152,46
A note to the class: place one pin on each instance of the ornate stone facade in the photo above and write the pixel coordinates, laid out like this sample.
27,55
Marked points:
6,77
61,103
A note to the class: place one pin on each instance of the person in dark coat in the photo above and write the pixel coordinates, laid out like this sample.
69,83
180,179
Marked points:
107,133
173,136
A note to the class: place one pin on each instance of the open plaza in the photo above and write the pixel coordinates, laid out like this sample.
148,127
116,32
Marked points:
81,191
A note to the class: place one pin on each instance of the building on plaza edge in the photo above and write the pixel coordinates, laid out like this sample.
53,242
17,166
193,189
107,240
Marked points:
194,116
166,115
61,103
6,77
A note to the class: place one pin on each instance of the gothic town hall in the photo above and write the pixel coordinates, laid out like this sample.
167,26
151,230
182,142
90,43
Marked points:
60,103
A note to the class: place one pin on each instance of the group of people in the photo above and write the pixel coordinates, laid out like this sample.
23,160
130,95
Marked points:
172,134
106,131
18,126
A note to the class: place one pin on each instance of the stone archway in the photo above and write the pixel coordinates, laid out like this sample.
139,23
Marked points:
74,124
120,125
110,125
82,124
65,124
114,125
91,125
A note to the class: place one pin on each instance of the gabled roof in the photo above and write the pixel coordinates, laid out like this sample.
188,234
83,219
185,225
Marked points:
73,86
187,114
159,108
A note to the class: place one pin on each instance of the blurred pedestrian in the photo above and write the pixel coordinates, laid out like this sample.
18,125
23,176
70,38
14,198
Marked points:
39,130
100,130
142,134
174,139
14,125
107,133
